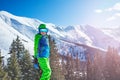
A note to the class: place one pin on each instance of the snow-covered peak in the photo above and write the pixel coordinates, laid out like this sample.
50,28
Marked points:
12,26
7,17
68,28
26,28
113,32
91,36
5,13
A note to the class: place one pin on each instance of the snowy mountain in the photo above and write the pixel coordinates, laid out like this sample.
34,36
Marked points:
25,28
113,32
77,35
90,36
11,26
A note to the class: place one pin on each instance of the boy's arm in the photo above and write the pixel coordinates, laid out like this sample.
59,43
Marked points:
35,46
36,42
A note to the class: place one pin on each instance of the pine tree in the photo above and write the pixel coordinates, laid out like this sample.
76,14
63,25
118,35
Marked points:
69,69
26,66
1,67
77,67
14,70
55,62
3,74
89,69
1,60
28,71
97,67
18,48
6,77
63,63
112,65
23,59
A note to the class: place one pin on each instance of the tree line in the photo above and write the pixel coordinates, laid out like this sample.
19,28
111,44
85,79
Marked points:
64,67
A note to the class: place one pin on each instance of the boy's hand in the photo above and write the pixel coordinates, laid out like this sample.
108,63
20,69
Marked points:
36,64
35,59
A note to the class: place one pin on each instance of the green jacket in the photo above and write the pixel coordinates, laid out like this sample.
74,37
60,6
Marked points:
41,46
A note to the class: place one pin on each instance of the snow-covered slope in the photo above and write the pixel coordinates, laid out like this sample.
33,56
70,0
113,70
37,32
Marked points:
26,28
113,32
12,26
8,33
90,36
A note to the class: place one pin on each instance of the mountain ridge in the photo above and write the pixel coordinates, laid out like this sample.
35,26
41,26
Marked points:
26,28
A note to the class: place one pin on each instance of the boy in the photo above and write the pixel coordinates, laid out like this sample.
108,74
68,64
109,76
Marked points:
42,51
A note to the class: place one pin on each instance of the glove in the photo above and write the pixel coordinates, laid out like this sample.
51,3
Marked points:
36,64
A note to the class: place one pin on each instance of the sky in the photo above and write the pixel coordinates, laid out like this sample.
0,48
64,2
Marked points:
98,13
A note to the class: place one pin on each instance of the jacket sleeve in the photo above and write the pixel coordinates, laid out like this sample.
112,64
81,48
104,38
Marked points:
36,40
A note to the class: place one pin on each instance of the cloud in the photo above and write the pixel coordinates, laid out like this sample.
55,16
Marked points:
117,14
98,11
112,12
115,7
114,17
111,18
108,9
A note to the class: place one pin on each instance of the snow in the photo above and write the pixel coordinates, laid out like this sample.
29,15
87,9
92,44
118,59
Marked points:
7,34
113,32
51,26
26,28
24,20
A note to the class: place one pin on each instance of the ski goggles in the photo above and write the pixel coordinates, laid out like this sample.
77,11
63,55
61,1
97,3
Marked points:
43,30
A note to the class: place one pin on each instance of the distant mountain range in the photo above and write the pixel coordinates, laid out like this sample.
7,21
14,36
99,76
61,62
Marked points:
80,37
